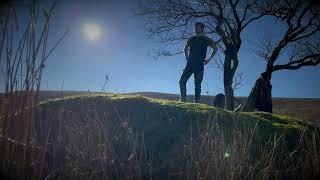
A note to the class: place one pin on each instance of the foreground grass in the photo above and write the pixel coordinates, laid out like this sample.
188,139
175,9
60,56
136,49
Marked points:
108,136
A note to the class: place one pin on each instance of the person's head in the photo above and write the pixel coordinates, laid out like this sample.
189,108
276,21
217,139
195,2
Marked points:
199,27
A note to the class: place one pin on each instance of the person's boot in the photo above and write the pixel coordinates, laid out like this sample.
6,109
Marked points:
196,100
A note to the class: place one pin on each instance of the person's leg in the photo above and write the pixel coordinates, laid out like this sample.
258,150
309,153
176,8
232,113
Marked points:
183,81
198,76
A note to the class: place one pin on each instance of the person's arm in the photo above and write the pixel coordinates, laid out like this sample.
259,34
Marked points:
214,50
186,50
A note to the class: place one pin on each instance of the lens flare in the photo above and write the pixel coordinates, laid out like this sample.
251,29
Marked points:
227,153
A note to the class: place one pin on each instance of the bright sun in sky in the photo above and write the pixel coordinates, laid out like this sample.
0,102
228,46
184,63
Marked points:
92,31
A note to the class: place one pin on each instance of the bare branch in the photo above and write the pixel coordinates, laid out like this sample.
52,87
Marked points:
303,29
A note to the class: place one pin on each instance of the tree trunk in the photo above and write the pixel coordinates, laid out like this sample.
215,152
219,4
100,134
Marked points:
229,103
229,69
260,98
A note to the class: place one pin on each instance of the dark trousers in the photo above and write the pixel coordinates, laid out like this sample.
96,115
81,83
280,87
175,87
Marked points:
198,76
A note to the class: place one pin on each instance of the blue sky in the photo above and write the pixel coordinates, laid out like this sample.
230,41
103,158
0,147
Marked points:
124,53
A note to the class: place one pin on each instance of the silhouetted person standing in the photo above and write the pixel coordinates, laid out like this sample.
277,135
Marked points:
195,52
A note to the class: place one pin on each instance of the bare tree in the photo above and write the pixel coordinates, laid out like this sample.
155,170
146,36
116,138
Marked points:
170,22
299,45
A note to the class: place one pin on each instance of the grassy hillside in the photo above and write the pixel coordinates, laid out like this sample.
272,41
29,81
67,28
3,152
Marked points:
303,108
112,136
151,114
139,133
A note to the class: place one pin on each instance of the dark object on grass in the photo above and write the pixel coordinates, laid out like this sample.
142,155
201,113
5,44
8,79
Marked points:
260,98
220,99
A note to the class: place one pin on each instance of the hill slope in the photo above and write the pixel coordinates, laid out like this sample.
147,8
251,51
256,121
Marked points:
302,108
163,127
152,114
108,136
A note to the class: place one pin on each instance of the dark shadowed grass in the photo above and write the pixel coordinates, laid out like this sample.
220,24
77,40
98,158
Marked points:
108,136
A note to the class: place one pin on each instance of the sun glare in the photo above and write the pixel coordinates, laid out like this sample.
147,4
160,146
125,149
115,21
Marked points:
92,31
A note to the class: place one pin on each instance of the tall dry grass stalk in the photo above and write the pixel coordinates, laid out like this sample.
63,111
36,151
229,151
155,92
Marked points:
24,31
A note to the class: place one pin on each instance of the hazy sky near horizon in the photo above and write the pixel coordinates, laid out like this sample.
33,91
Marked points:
122,51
